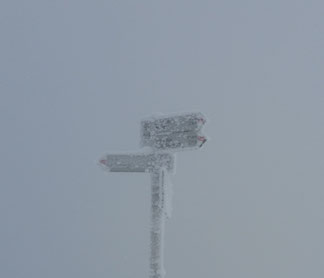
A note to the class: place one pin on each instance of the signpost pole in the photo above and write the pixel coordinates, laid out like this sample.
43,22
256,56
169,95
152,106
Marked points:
157,223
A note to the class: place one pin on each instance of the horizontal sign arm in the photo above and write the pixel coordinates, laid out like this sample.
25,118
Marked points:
137,162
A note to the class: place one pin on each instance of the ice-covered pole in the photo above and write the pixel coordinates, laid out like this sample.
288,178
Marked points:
162,136
157,224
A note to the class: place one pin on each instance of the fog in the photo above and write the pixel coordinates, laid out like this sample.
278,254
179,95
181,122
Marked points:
76,78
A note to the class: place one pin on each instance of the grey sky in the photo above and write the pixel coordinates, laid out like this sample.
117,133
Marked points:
76,77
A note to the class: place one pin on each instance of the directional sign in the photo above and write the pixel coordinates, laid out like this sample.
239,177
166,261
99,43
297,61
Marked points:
137,162
175,123
173,132
183,140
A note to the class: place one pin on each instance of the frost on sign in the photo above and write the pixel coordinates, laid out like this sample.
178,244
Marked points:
176,132
164,135
137,162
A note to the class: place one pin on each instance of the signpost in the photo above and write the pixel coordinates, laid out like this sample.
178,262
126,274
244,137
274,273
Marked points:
165,135
173,133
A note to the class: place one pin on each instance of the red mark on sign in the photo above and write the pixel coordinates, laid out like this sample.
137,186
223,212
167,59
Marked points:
201,138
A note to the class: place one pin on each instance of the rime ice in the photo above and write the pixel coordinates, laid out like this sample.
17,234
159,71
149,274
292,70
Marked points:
137,162
173,133
161,137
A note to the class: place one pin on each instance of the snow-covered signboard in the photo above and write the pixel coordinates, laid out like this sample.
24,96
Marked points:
175,132
137,162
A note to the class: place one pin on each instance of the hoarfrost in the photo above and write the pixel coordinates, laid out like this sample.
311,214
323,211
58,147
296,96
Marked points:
167,191
161,137
157,225
173,132
137,162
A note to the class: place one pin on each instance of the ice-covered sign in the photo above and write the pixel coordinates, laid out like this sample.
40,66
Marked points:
137,162
164,135
175,132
